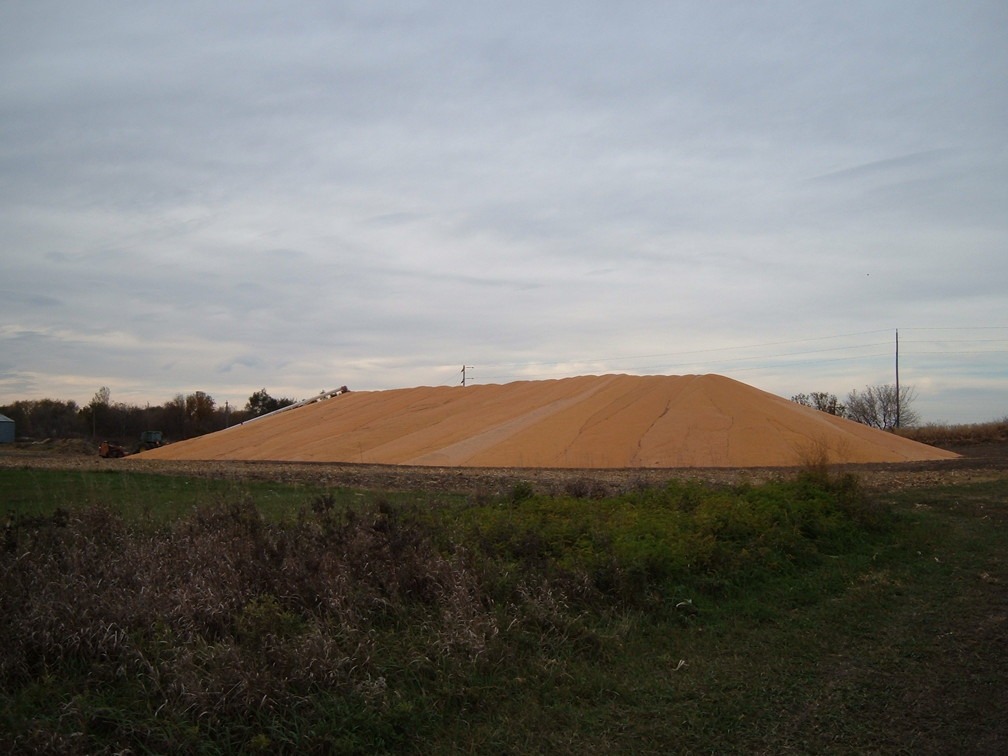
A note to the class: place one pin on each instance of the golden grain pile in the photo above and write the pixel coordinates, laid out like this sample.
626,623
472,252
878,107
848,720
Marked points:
604,421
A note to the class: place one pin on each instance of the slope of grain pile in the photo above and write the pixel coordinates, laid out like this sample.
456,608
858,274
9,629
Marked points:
588,421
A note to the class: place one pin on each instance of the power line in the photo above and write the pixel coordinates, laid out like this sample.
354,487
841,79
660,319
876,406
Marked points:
961,341
676,359
691,351
959,328
966,351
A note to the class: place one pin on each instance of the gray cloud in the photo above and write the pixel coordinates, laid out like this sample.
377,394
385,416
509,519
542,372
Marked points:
327,193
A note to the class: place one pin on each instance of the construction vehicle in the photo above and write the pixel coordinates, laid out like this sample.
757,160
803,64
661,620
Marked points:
148,440
111,451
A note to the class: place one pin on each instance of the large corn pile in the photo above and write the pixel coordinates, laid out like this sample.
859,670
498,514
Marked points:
585,422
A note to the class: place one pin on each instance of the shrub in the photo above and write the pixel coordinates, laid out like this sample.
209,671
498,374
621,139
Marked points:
333,626
640,545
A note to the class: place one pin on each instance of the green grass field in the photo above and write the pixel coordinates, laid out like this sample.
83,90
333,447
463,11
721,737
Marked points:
159,614
33,491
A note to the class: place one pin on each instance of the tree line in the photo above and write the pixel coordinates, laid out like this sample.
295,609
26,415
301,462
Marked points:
884,407
183,416
195,414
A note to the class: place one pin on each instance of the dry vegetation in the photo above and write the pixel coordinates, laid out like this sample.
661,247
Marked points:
957,435
222,621
337,628
540,611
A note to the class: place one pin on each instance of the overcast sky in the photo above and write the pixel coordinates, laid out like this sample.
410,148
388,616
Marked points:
226,196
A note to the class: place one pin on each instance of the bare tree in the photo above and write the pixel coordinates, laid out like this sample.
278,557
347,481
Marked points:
883,407
199,409
44,418
99,413
822,401
172,417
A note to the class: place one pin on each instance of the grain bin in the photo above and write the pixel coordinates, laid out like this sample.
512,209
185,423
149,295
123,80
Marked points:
6,430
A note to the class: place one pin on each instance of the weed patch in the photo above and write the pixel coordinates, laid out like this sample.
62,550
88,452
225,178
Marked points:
644,546
680,617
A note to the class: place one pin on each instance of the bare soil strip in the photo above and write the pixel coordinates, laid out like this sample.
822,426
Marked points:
977,463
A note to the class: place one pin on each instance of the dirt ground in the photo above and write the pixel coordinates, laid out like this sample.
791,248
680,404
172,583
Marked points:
979,462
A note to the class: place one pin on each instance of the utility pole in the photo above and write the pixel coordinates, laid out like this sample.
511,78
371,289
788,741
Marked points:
897,381
464,368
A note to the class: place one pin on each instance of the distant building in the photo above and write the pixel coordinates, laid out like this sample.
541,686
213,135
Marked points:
6,430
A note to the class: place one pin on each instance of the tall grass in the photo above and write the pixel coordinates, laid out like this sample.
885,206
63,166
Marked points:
373,627
938,434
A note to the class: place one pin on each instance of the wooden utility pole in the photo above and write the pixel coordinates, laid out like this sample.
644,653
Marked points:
464,368
897,381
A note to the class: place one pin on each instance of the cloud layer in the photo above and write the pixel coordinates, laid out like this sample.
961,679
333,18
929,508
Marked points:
223,197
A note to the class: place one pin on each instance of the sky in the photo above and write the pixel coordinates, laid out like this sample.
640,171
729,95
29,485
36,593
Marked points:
297,196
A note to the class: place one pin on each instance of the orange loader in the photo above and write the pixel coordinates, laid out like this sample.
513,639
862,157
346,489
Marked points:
110,451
